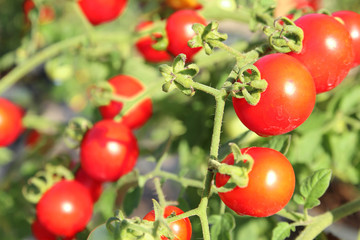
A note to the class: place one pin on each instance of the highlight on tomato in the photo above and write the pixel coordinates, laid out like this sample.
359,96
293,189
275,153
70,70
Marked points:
179,32
286,103
182,228
11,125
271,184
327,50
127,86
108,151
351,22
102,11
65,209
145,45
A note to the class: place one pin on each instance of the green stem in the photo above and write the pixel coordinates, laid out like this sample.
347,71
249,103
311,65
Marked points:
205,88
187,214
319,223
227,48
159,192
88,27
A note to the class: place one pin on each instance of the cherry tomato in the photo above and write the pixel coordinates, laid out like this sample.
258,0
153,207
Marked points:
40,232
127,86
352,24
179,32
183,4
144,46
286,103
181,228
271,184
65,209
94,187
327,50
101,11
108,151
10,122
311,4
46,14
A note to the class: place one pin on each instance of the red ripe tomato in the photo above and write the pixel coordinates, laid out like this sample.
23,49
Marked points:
327,50
271,184
144,46
179,32
46,15
10,122
95,187
312,4
181,228
352,24
101,11
65,209
127,86
286,103
183,4
40,232
108,151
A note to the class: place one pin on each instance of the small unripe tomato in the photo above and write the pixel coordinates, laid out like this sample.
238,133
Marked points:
10,122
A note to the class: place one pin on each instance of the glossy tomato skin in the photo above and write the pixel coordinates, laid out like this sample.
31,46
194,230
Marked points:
183,4
179,32
108,151
181,228
65,209
94,187
101,11
327,50
352,24
286,103
10,122
144,46
127,86
40,232
271,184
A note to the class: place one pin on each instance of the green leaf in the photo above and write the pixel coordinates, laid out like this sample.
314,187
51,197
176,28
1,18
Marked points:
350,100
280,143
222,226
132,199
101,232
5,156
313,188
282,231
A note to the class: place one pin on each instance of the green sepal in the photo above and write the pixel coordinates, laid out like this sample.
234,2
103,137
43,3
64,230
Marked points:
101,93
75,131
161,44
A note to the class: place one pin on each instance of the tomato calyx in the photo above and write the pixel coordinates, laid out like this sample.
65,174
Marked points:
44,180
238,172
179,76
284,35
207,37
75,131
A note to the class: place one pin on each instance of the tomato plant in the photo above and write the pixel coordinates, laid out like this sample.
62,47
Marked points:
179,32
127,86
327,50
95,187
101,11
47,13
271,184
145,45
286,103
10,122
65,209
181,228
108,151
352,24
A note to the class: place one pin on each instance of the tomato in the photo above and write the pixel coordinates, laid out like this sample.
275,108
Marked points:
46,14
108,151
94,187
271,184
327,50
65,209
182,4
312,4
127,86
286,103
179,32
352,24
181,228
40,232
10,122
101,11
144,46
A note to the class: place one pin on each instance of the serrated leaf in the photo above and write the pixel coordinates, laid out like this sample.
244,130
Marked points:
132,199
282,231
222,226
313,188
